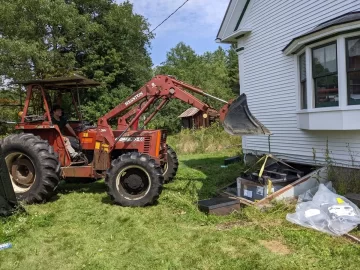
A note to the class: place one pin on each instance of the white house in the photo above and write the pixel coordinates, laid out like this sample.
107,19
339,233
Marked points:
299,64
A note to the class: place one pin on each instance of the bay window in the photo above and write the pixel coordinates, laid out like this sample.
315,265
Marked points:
327,64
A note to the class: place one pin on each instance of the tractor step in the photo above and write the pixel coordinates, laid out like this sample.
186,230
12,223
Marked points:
78,163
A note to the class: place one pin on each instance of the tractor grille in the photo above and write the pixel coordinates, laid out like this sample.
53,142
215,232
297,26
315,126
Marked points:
147,145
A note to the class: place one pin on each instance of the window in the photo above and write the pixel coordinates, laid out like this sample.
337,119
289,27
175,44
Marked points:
325,76
353,70
328,74
303,96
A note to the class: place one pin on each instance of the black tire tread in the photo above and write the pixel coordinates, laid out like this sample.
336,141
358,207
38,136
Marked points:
171,173
47,158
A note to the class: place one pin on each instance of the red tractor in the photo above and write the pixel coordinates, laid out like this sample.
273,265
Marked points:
135,162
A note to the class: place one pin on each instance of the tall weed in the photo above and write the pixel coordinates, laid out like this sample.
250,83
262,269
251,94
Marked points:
345,177
204,140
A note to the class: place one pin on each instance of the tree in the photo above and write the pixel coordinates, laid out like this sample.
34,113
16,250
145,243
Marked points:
35,37
232,65
100,39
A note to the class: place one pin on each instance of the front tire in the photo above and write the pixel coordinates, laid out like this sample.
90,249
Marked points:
134,180
33,166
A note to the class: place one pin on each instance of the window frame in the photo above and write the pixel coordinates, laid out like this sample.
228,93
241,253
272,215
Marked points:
303,83
348,71
335,42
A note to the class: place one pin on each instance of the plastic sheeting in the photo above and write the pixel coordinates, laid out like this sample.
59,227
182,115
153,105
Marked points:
322,209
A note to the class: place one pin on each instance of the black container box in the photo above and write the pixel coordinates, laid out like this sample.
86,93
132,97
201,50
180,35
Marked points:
219,206
231,160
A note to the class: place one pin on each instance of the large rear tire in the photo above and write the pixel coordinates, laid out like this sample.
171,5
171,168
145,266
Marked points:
33,166
171,166
134,179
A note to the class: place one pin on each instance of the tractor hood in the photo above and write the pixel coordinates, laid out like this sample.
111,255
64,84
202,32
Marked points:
237,119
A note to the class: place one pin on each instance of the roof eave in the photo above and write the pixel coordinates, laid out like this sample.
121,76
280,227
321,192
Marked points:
233,38
236,27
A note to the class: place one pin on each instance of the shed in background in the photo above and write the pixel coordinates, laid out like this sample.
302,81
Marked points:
193,118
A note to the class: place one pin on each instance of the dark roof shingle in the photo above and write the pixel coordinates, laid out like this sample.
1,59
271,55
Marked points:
345,18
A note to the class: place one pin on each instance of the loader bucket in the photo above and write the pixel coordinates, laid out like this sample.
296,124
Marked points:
238,120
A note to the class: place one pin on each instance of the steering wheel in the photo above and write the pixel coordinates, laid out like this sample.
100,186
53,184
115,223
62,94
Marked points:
84,126
79,128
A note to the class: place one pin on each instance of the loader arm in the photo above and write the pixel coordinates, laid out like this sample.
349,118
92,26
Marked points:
166,88
160,87
176,91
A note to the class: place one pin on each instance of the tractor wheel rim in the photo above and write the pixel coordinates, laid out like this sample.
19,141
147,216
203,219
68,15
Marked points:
166,167
21,170
133,182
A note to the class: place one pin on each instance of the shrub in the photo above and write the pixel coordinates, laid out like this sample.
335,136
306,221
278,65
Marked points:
211,139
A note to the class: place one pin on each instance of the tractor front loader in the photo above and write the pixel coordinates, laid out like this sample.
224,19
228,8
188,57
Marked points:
135,162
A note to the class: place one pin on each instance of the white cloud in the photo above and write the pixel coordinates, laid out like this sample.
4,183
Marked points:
196,17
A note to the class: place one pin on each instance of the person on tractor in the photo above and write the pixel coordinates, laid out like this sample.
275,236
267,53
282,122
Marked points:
58,119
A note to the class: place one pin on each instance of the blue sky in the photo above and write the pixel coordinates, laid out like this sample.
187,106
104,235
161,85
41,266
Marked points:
196,24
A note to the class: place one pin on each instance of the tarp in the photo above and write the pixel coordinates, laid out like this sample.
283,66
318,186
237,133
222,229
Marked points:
326,211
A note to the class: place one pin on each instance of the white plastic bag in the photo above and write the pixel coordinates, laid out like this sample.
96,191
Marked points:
325,211
309,194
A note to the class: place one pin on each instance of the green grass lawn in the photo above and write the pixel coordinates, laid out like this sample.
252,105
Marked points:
81,229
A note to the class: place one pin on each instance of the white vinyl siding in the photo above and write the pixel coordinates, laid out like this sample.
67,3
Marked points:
270,83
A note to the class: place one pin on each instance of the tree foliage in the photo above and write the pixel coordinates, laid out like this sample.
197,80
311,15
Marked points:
232,65
100,39
214,72
105,41
10,101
